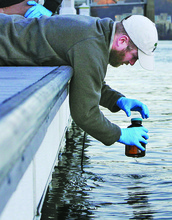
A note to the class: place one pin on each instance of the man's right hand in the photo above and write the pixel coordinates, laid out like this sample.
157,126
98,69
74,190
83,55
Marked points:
133,136
36,11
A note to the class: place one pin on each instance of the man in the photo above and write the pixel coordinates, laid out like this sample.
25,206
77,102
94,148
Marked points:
88,45
29,9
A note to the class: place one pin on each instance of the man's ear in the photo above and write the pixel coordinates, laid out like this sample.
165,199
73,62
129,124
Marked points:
123,41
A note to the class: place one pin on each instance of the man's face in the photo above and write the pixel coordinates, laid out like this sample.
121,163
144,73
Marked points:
125,56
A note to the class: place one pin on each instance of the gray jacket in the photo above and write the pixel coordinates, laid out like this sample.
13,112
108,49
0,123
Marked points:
79,41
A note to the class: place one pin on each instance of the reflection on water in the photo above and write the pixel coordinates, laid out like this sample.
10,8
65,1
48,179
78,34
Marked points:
106,184
138,199
67,197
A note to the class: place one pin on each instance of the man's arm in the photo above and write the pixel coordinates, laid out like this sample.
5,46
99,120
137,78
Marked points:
27,9
52,5
109,97
19,8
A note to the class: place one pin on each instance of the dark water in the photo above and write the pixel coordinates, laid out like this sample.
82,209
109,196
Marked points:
107,184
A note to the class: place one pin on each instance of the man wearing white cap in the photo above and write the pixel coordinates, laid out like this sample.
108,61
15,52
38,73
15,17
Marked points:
88,45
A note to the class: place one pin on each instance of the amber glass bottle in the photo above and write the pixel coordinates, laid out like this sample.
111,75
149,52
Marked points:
131,150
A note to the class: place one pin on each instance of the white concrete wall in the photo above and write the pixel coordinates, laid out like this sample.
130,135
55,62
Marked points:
33,122
24,201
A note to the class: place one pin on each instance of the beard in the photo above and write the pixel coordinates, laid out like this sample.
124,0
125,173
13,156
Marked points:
116,57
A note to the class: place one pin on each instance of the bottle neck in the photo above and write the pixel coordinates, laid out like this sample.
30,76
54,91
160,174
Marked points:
136,122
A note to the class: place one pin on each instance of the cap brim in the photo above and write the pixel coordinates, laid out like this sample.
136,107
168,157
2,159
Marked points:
146,61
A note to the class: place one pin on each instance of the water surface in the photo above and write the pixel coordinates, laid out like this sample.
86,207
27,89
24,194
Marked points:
108,185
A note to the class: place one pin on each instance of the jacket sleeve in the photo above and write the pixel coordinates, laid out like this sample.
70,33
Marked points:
109,98
52,5
90,66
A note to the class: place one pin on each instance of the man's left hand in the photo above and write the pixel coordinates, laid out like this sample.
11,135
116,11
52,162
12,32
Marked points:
129,105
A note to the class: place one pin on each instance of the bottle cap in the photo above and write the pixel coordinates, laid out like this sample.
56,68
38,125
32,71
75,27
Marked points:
136,119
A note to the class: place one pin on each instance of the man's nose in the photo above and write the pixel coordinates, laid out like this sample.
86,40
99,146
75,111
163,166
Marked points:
132,62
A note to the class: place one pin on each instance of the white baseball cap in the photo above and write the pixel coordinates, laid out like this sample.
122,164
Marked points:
143,33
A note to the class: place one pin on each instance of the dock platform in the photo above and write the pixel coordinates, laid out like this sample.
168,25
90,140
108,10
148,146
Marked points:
34,116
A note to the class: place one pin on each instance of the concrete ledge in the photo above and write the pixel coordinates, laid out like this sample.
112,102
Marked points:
24,121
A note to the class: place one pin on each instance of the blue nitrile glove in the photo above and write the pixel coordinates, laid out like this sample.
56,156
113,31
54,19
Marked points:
129,105
36,11
133,136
